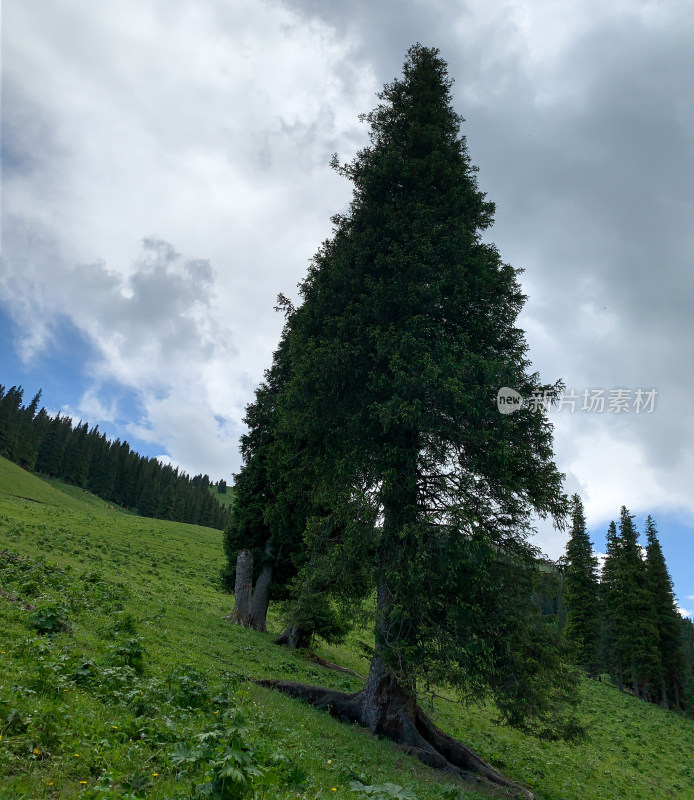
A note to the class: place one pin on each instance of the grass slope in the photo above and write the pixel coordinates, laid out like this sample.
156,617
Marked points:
226,498
143,695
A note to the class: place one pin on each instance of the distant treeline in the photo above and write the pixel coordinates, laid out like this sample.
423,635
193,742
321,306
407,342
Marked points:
85,457
623,620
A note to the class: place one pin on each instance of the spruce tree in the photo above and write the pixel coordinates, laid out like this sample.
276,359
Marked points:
31,429
632,631
671,677
10,420
687,637
610,592
582,592
77,456
51,454
404,336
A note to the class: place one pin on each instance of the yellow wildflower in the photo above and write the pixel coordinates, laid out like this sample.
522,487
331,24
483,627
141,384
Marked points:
83,782
37,752
330,761
155,774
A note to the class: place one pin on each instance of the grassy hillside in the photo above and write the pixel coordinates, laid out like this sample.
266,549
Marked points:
119,678
225,499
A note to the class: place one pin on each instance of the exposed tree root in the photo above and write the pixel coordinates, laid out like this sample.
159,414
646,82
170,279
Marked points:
386,710
329,665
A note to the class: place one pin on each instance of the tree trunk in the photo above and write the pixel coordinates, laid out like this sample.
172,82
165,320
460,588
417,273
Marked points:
261,599
294,637
663,694
243,589
261,593
386,709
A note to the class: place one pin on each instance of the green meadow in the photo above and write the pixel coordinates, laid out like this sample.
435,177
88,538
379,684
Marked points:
120,678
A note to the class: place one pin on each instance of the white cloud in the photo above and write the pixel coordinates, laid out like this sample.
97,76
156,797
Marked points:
206,130
207,127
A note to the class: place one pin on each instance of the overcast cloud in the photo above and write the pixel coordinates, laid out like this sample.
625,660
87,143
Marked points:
165,175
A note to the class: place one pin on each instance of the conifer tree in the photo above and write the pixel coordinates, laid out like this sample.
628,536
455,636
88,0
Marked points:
671,678
611,656
77,456
632,631
687,631
51,453
582,592
32,424
405,334
10,420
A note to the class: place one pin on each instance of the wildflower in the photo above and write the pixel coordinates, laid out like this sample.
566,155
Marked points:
216,712
115,727
50,783
37,752
84,782
330,761
155,774
77,755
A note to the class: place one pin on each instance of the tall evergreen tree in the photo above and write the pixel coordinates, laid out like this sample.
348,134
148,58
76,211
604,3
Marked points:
582,592
687,631
51,453
77,456
671,677
405,334
102,467
31,428
611,656
633,636
10,419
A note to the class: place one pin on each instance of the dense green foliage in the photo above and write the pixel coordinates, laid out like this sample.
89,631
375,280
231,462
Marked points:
84,457
115,578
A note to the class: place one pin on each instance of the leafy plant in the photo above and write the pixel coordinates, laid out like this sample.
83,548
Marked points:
130,653
229,764
47,618
387,791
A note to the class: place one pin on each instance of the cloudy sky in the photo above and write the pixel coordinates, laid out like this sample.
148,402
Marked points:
165,174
